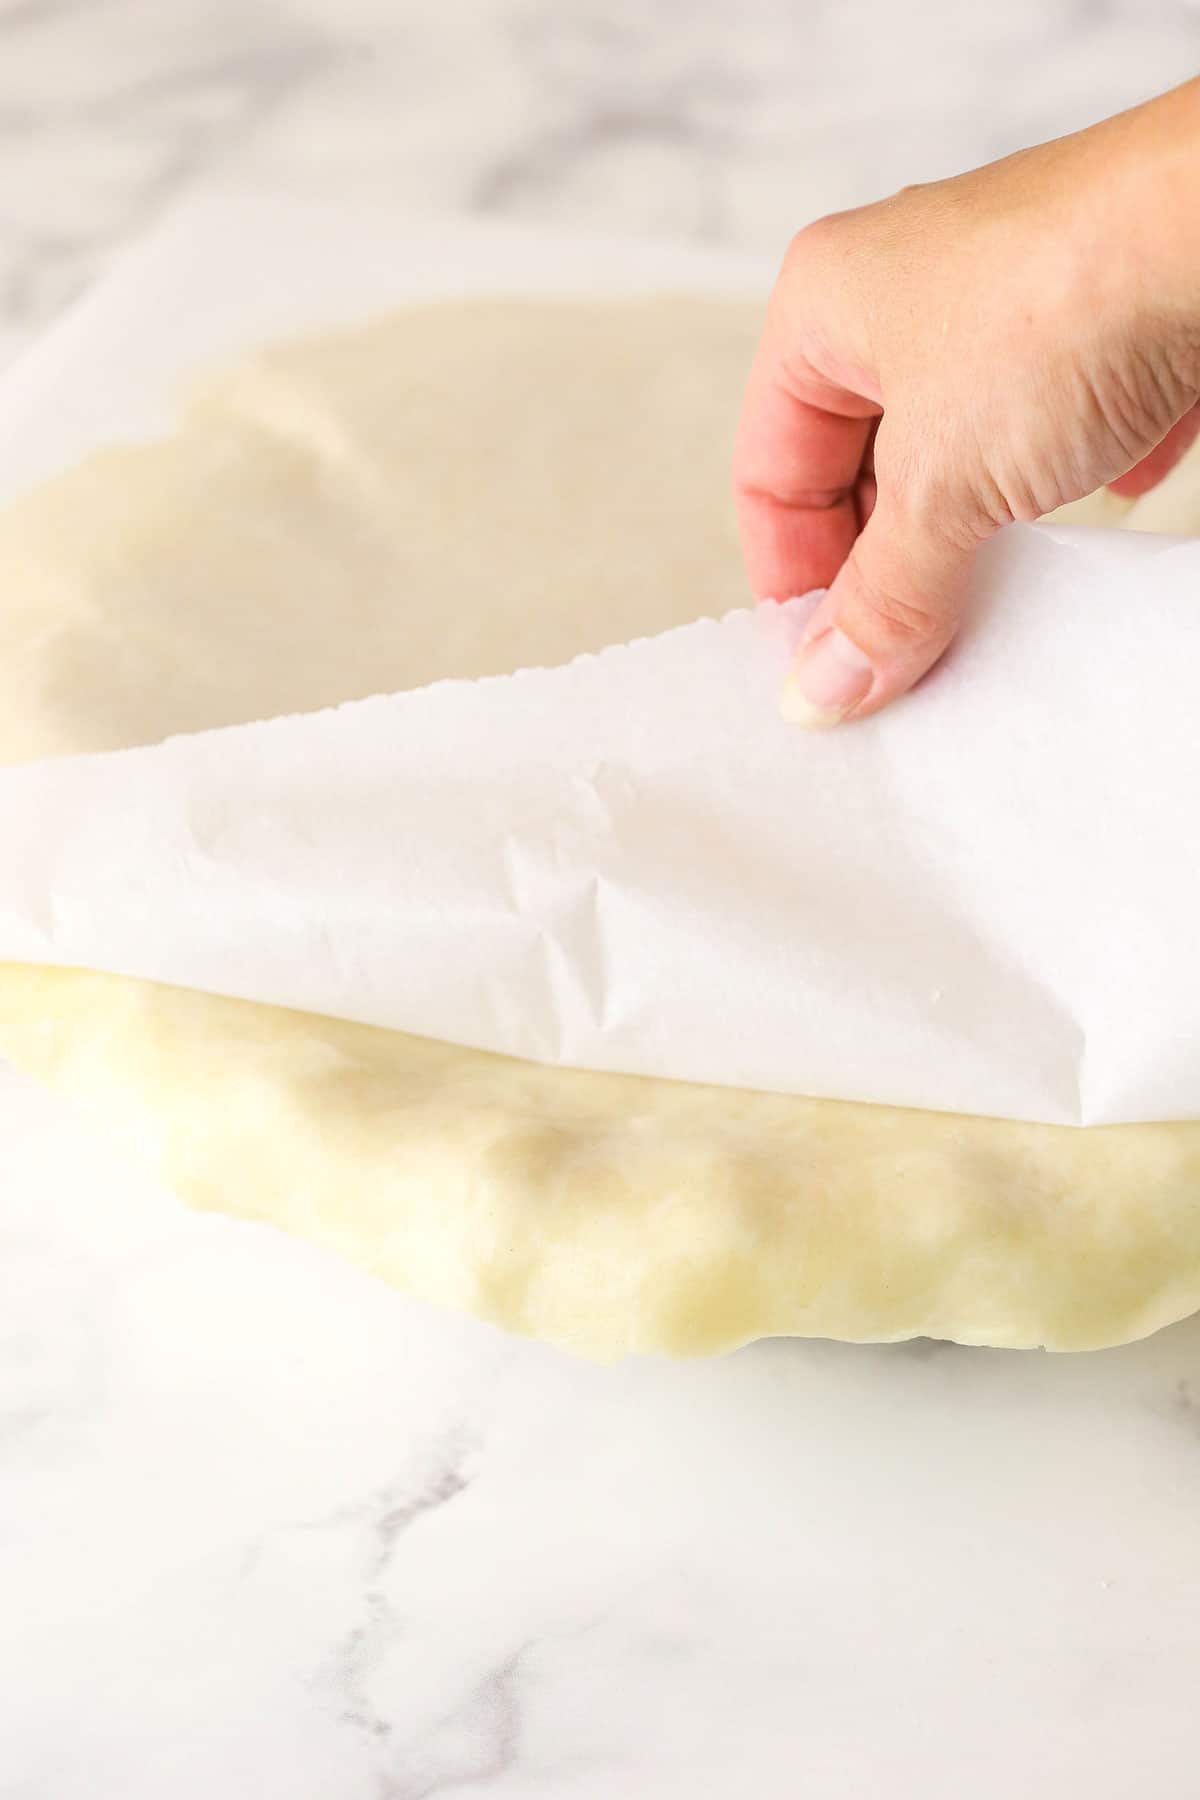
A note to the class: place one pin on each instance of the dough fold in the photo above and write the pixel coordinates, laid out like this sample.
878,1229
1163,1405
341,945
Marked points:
611,1213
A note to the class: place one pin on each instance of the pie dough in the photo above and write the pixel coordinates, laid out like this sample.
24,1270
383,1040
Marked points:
462,490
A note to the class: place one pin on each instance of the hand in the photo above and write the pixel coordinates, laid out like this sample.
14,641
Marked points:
962,355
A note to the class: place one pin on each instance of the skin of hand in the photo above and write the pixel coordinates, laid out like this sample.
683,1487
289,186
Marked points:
961,355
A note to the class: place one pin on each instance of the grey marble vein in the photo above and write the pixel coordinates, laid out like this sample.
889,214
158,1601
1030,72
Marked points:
90,159
476,1743
393,1511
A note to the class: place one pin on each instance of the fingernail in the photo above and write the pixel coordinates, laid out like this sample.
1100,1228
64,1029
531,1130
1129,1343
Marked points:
829,678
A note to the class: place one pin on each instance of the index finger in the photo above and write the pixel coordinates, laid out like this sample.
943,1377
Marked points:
800,448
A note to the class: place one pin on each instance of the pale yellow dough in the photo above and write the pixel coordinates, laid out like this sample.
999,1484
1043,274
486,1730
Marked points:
460,490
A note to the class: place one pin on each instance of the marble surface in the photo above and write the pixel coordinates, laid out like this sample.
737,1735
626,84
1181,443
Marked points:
266,1528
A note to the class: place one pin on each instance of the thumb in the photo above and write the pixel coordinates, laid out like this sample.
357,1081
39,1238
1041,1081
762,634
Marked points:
891,612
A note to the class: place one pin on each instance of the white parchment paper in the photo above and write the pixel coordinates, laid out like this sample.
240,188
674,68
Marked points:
985,900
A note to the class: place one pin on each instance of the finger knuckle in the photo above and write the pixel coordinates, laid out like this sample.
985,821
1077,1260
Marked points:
922,498
906,620
947,506
813,243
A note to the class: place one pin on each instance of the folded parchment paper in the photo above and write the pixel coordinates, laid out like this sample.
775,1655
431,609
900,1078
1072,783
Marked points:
983,901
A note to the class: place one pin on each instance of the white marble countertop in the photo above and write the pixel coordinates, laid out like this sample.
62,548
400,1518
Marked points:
268,1529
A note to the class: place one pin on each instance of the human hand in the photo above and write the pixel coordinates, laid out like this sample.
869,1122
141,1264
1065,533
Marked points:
965,354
